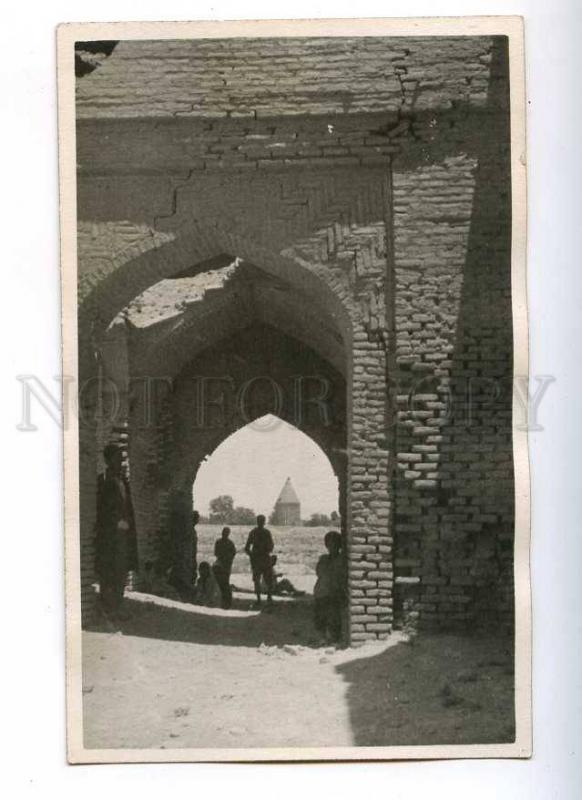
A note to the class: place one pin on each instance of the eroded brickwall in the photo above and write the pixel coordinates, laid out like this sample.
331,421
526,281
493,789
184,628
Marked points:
384,175
266,78
454,497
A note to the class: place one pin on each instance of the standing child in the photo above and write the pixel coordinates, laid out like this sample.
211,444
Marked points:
330,591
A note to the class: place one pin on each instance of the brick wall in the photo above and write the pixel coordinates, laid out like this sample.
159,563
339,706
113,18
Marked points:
452,223
375,186
265,78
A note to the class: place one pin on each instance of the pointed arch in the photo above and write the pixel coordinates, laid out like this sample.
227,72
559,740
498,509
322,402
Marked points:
271,462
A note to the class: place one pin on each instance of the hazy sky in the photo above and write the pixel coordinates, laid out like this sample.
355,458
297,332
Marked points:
253,463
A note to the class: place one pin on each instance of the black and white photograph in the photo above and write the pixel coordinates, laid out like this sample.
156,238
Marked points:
294,317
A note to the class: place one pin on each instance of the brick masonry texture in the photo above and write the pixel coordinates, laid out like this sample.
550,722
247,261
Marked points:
365,185
275,77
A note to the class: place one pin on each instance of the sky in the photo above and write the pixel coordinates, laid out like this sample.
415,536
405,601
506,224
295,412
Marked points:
253,464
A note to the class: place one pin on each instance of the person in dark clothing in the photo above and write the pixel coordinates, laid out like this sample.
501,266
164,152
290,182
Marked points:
155,581
116,540
259,547
224,551
330,589
185,567
194,520
282,585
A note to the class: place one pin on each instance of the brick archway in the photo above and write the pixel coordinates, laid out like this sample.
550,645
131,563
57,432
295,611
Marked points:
319,286
276,373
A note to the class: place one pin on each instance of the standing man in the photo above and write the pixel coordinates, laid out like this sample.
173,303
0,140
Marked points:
224,551
116,540
259,547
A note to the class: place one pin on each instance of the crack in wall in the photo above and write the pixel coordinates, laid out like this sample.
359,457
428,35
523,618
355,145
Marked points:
174,203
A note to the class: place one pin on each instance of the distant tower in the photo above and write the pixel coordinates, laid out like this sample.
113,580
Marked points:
287,509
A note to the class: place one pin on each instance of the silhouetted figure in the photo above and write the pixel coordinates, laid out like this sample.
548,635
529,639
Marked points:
116,540
282,585
195,519
330,589
185,567
259,547
207,591
224,551
155,581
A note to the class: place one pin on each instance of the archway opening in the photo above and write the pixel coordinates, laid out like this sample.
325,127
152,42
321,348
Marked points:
272,468
233,343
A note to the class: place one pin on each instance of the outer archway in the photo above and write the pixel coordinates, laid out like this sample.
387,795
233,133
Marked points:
363,358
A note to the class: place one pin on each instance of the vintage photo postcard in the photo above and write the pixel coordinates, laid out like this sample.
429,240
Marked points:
294,318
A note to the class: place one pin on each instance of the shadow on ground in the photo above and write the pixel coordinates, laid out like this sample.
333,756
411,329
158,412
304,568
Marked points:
287,622
439,689
442,689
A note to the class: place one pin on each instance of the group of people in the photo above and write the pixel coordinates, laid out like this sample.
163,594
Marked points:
116,556
189,581
210,584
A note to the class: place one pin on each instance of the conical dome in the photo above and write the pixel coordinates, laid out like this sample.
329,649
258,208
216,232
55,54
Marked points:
288,493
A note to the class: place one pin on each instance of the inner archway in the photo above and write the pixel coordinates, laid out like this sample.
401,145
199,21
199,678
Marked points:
269,467
254,463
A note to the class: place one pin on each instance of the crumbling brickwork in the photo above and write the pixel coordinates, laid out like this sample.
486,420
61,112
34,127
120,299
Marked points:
368,182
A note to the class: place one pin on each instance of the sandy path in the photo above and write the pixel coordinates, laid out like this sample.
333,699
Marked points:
206,688
184,676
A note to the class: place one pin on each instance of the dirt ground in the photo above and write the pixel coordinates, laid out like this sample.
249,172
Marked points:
177,675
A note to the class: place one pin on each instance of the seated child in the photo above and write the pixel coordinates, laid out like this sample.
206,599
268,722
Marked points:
330,589
207,591
156,582
281,585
